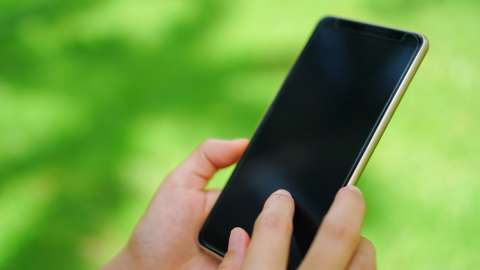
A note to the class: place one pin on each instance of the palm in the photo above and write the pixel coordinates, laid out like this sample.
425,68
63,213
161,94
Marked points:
166,236
172,225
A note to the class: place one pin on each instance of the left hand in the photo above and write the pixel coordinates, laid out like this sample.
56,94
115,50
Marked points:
166,236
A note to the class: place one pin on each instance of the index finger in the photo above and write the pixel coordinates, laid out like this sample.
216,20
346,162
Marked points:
339,234
270,243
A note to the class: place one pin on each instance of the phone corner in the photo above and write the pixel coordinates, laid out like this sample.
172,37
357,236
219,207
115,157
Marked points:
425,42
327,19
201,242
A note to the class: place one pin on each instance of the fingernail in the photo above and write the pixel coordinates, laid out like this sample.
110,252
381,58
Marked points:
275,196
282,192
235,239
353,189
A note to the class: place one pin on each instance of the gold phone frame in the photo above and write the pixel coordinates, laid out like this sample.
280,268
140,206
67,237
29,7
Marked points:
392,106
387,116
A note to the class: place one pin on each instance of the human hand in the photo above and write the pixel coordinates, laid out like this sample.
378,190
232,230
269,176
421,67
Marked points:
165,238
337,245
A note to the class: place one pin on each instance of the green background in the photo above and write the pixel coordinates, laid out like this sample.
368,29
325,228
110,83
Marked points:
100,99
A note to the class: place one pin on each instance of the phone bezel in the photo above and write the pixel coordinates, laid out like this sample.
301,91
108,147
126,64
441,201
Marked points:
364,156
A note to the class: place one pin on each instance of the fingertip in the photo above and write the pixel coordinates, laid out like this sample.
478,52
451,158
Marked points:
353,193
351,197
234,240
367,245
282,192
354,189
240,142
365,256
238,239
237,249
280,198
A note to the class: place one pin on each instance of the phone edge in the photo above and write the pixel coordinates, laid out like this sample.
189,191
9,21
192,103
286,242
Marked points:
353,179
387,116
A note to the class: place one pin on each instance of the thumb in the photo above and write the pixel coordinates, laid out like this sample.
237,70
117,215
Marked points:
237,249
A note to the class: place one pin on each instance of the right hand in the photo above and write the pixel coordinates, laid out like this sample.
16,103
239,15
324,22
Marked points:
338,244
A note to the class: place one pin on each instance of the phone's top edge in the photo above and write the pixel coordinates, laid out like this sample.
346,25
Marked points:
423,38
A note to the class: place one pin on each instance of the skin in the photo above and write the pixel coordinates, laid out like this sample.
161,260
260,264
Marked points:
165,237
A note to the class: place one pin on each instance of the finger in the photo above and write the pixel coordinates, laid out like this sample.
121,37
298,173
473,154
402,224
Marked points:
212,196
364,257
210,156
237,248
339,234
270,243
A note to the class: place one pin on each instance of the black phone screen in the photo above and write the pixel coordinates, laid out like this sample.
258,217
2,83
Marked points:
317,128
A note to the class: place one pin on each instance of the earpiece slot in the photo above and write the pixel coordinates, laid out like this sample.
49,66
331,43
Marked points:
371,30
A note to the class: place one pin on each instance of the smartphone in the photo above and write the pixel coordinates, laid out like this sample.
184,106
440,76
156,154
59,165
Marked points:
320,130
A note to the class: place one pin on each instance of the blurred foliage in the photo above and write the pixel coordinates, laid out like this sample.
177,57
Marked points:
99,99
